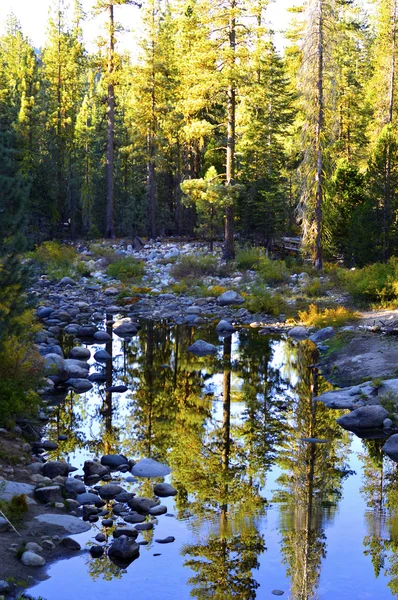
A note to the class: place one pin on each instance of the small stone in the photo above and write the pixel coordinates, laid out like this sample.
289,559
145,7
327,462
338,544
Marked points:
30,559
71,544
156,511
100,537
96,551
164,490
144,526
167,540
277,592
33,547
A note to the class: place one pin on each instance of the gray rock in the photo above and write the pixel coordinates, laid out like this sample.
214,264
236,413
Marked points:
164,490
55,365
4,525
147,467
100,537
298,333
133,533
80,353
102,337
225,327
86,330
67,281
156,511
365,417
144,526
71,544
124,497
117,389
13,488
68,522
102,356
391,447
44,311
48,494
125,327
91,467
51,349
97,377
107,523
230,297
202,348
124,548
387,423
277,592
110,490
30,559
33,547
141,505
4,586
134,518
74,486
96,551
168,540
89,498
80,386
53,468
322,334
113,461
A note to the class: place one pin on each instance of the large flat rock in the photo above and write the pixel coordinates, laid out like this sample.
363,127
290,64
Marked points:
8,489
68,522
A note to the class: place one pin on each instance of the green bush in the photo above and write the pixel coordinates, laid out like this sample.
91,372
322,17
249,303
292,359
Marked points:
193,267
14,509
264,301
273,271
56,259
126,269
373,283
248,258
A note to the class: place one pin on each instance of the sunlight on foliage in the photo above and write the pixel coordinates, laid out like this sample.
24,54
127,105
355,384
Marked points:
335,317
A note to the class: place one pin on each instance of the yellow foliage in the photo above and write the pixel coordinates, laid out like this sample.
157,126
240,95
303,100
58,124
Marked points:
336,317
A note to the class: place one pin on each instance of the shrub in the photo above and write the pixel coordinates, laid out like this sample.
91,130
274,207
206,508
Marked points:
248,258
265,301
273,271
56,259
336,317
373,283
315,288
126,269
193,267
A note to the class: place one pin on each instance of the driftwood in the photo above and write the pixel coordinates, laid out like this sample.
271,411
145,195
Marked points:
390,327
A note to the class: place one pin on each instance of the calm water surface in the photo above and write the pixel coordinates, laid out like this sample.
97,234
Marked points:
258,509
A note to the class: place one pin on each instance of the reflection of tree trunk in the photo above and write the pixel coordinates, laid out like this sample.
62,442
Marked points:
149,380
226,423
108,394
177,345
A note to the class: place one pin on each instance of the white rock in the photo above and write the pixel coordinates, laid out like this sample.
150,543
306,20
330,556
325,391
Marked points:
30,559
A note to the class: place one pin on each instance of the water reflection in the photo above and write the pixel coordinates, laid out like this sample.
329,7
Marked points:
223,423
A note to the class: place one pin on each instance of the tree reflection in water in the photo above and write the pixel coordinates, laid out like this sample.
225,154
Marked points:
311,482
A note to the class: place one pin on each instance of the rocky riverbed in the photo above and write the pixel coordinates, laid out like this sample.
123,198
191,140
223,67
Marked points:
87,312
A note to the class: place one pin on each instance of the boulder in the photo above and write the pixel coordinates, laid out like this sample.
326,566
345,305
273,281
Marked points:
141,505
134,518
230,297
164,490
156,511
168,540
55,365
51,349
53,468
74,486
110,490
80,386
80,352
44,311
96,551
124,549
89,498
67,281
77,369
298,333
125,327
202,348
48,494
97,377
147,467
113,461
102,337
365,417
31,559
86,330
133,533
92,467
322,334
71,544
102,356
224,327
391,447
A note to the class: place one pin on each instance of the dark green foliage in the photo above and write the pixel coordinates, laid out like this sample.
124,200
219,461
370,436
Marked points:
126,269
13,194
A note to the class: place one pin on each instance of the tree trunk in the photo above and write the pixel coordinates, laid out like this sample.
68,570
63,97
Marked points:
110,182
229,247
318,259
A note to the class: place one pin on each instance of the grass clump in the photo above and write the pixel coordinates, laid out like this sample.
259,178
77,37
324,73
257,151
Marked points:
14,509
126,269
273,271
315,289
336,317
194,267
56,259
389,401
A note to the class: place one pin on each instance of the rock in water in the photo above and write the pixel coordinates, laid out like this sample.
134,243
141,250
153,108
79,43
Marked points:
391,447
164,490
202,348
224,327
322,334
298,333
147,467
123,550
141,505
365,417
113,461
